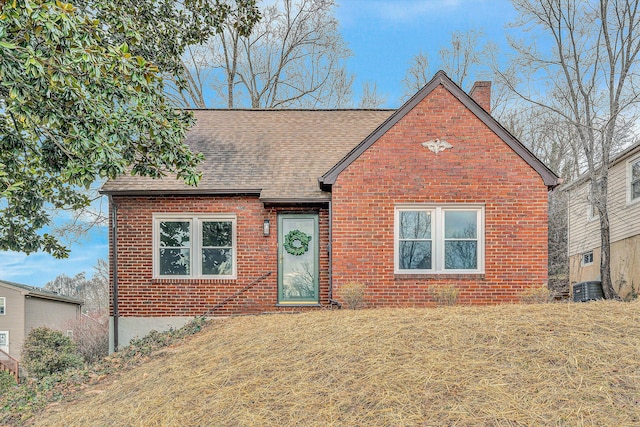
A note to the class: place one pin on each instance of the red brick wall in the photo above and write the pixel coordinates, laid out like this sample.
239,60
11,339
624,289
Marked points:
143,296
479,169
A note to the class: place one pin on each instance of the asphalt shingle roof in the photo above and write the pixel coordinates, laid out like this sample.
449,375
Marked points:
279,154
40,293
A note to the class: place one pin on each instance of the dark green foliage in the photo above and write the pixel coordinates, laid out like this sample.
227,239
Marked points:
46,352
82,99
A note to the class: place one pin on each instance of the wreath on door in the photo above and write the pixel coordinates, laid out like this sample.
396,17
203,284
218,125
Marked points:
296,242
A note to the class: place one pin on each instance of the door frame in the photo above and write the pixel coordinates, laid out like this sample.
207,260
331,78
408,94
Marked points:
316,245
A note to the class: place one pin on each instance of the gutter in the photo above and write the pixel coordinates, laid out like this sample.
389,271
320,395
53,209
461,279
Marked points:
114,267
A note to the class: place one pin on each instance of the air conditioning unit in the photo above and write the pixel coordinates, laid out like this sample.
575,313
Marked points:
587,291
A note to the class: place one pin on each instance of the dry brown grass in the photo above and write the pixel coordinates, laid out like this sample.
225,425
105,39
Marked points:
542,364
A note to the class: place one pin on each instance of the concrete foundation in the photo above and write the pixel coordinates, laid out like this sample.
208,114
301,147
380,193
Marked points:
130,328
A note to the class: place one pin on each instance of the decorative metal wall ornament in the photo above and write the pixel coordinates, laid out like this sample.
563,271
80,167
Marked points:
296,242
437,145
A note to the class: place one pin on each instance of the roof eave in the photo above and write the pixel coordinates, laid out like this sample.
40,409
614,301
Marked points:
188,192
295,200
60,298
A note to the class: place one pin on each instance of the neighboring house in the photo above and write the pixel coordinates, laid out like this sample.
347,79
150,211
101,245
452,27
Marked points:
295,203
23,308
624,219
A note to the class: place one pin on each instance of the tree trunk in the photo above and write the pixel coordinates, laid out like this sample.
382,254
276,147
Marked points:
605,263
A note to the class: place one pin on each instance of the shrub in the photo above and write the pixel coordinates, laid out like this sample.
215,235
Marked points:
6,381
353,294
45,352
92,337
445,295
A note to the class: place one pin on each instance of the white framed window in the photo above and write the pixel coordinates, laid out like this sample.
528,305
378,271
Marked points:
439,239
4,341
3,305
194,245
70,333
587,258
633,180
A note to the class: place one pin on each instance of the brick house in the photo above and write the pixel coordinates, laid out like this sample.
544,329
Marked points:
295,203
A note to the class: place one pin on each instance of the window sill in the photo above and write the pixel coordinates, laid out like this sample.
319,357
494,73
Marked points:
299,304
192,279
440,276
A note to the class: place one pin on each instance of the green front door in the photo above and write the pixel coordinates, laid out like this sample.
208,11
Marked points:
298,259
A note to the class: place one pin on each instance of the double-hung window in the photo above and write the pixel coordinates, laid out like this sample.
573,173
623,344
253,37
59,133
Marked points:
3,303
199,245
439,239
633,174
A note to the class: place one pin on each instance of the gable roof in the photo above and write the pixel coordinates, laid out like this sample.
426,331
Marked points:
549,178
39,292
277,154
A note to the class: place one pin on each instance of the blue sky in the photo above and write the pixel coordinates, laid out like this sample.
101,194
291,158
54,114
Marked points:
382,34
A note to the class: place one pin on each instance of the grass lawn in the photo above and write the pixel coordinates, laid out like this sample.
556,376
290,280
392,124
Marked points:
511,365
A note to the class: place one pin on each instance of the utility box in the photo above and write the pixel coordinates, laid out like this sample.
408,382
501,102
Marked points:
587,291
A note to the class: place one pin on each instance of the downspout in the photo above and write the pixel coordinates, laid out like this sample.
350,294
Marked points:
114,251
332,302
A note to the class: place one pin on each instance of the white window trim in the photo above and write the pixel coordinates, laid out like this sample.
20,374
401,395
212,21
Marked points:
628,187
3,304
196,220
437,237
7,334
582,255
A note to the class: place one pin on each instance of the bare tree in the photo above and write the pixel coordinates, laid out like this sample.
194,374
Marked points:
591,80
558,241
417,74
463,55
294,57
94,292
370,97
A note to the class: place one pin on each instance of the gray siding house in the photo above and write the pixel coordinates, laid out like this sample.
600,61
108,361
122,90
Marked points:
624,220
23,308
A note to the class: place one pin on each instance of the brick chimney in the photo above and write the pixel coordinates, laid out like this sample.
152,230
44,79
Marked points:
481,93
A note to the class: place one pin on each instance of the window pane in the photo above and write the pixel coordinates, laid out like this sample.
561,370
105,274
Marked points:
460,224
635,190
175,233
415,225
415,256
461,255
216,233
3,339
635,171
175,262
217,261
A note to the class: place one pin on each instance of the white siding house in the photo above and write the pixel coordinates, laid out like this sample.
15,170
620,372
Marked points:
23,308
624,217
